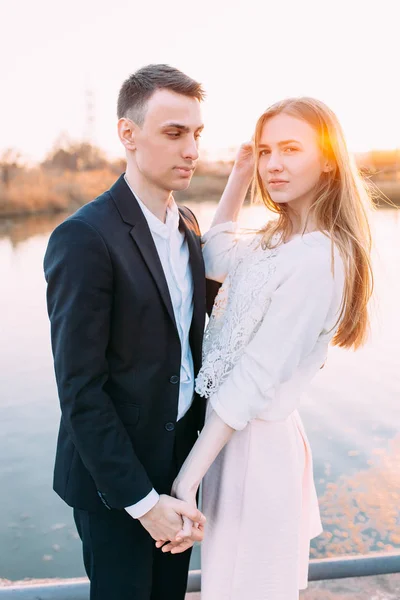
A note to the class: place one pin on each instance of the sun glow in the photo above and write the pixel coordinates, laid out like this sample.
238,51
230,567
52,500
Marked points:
65,70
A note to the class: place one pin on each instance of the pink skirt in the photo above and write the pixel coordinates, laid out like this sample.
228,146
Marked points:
262,510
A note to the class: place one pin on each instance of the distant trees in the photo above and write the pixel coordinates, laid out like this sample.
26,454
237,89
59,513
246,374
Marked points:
75,156
10,164
68,155
71,174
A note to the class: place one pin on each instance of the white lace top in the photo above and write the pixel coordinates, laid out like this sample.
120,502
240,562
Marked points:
271,323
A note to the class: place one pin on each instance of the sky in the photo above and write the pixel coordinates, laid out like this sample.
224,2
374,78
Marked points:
247,54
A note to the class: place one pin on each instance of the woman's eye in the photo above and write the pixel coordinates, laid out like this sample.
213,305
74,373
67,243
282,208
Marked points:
264,152
174,135
290,149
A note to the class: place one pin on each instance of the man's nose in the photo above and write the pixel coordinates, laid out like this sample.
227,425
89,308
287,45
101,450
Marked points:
191,150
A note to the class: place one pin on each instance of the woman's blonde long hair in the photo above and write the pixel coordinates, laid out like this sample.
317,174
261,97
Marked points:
340,209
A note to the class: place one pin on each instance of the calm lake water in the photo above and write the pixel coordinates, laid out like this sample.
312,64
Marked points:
351,414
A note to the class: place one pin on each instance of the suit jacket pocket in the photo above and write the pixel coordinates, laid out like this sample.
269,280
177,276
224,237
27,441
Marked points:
128,413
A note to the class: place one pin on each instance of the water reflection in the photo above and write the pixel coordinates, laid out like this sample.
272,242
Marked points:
361,512
351,414
17,230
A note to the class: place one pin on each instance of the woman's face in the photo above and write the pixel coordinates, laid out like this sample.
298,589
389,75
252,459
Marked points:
290,160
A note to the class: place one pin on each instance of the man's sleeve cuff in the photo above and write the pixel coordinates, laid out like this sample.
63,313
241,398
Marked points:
143,506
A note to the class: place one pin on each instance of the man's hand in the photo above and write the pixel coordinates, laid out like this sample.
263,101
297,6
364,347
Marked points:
190,532
165,520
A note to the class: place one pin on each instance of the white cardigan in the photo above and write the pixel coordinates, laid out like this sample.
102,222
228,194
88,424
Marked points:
271,324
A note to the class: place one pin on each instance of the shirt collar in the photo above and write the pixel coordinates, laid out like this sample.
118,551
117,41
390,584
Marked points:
164,230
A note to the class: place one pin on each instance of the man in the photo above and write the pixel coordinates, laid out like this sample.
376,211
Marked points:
126,301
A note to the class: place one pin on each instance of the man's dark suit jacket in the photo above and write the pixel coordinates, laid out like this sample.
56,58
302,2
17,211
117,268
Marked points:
117,351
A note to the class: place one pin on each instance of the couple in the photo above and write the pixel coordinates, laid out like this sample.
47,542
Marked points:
126,298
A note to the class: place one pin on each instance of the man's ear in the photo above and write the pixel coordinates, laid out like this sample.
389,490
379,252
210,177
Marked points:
126,133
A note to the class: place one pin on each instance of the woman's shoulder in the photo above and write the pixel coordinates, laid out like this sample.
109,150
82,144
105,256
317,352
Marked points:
313,244
314,251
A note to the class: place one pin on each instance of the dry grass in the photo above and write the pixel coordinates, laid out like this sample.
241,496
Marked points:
205,187
389,190
38,191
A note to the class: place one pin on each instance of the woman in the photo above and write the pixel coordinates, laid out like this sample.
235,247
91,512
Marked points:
301,282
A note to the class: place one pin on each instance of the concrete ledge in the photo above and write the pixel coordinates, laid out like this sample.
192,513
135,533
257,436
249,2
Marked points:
354,566
320,570
64,589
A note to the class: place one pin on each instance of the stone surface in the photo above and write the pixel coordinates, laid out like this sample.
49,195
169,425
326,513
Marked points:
382,587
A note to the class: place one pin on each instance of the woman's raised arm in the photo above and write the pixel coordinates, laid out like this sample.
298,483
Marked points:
236,189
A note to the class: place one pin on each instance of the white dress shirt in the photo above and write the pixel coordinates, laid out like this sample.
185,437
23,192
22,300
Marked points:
173,252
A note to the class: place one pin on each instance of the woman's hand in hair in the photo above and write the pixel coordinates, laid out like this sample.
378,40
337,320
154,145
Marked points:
245,161
237,186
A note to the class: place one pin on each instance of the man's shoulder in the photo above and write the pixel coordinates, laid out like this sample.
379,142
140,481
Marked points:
97,212
96,215
190,217
92,221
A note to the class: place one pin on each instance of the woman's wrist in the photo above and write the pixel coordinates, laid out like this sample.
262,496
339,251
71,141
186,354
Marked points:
242,174
241,178
183,486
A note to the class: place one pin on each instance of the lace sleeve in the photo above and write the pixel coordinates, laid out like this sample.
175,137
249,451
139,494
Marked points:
219,250
301,308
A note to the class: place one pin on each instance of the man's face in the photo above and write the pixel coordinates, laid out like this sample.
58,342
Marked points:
166,146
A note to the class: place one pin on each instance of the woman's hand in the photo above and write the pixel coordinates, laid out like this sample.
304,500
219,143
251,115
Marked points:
245,161
191,532
215,434
237,186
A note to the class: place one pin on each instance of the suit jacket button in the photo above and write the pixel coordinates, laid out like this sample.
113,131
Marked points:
174,379
169,426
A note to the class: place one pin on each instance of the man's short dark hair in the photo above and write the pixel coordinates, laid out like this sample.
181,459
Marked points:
139,87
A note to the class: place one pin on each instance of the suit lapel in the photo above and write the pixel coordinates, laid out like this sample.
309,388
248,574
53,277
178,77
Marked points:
199,283
144,241
132,214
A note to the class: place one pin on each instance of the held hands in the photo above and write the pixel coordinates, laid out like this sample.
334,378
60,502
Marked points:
164,520
192,531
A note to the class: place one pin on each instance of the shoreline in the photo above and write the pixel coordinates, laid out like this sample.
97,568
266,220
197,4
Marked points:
42,195
51,212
